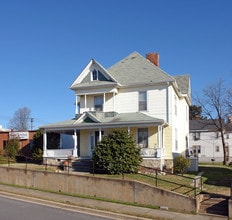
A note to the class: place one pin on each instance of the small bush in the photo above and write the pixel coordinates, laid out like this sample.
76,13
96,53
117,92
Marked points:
37,154
12,148
117,153
181,164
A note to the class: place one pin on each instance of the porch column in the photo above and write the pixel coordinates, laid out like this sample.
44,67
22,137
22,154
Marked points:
104,100
76,108
75,144
160,145
114,101
85,102
100,134
44,143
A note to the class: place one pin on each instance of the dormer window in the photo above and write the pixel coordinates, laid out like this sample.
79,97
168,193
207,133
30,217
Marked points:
95,75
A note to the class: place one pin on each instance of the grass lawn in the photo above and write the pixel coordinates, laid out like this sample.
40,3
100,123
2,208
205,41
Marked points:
215,178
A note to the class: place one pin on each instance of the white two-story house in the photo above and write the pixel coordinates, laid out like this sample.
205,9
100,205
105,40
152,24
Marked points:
134,94
206,142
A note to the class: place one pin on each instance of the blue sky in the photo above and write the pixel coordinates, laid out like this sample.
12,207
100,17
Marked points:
45,44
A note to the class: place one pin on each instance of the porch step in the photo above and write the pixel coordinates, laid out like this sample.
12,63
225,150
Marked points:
82,165
214,204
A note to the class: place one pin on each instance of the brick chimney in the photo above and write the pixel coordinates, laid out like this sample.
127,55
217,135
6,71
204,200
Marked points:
153,57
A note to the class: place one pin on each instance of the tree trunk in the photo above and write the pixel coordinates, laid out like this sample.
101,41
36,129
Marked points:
224,147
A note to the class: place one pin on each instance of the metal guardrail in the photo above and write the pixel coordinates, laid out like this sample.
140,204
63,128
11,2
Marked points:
66,165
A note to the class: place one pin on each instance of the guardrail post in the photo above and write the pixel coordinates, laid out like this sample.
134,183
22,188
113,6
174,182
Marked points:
231,189
195,187
156,177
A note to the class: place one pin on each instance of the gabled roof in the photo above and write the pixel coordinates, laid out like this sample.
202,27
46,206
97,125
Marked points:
135,69
90,120
183,82
84,79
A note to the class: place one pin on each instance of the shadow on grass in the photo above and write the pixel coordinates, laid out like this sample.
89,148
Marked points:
216,175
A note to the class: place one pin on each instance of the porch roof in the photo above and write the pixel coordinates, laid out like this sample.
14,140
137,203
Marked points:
91,120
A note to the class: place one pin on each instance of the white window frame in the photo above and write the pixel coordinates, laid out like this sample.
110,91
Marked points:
143,101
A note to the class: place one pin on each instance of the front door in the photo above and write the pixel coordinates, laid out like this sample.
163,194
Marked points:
94,139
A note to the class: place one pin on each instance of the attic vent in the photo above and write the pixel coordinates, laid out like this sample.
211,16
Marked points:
109,114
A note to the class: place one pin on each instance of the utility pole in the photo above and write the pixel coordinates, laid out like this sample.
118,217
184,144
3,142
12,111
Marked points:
32,120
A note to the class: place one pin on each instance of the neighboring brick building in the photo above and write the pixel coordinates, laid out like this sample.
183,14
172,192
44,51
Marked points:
25,137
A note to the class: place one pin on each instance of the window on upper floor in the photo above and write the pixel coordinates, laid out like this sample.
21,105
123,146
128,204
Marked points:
175,105
143,137
142,101
217,148
98,103
217,135
196,136
94,75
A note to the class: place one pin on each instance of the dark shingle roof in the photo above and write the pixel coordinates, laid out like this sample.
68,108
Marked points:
206,125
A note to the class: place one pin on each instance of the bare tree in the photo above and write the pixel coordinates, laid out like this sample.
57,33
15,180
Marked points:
20,120
215,106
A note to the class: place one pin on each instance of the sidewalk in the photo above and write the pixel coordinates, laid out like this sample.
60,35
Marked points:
118,211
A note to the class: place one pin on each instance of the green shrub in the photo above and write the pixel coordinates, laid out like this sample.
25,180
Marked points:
117,153
181,164
37,154
12,148
37,149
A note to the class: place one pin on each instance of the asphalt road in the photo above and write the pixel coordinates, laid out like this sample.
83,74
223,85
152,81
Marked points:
18,209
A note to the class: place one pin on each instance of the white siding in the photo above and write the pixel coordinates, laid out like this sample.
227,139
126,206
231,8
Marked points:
208,143
179,120
126,101
109,102
157,103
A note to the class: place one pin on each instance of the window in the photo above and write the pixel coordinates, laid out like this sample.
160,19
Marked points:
98,103
5,144
142,101
195,150
196,136
176,139
143,137
175,105
217,149
94,75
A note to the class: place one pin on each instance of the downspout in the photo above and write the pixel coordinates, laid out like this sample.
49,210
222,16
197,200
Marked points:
160,145
167,103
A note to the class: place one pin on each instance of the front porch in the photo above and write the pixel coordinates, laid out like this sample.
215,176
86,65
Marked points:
78,137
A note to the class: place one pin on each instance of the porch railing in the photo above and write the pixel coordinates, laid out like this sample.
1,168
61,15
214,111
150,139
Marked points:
61,153
152,152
